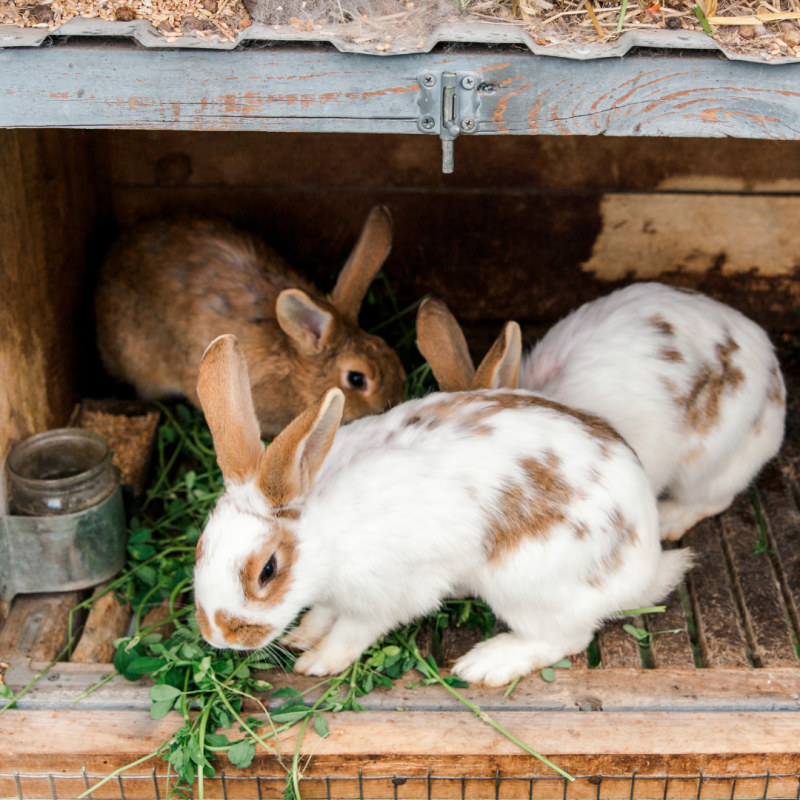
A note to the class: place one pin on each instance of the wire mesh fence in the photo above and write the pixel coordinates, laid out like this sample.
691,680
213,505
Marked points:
428,786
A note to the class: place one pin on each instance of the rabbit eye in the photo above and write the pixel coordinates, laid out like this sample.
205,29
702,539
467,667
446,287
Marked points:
268,573
356,380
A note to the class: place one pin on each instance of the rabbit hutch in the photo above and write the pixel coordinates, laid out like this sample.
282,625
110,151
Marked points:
528,169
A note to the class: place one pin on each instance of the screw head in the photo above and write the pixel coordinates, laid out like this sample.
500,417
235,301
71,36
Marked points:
429,80
428,123
468,82
468,124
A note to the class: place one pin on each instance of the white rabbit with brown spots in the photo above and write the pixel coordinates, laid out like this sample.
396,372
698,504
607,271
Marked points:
542,511
692,385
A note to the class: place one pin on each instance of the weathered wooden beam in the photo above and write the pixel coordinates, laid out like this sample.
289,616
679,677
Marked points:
402,744
304,89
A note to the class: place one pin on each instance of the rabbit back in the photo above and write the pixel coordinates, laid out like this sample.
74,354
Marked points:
692,385
168,288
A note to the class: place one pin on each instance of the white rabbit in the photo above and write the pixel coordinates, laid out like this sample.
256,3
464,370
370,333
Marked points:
691,384
542,511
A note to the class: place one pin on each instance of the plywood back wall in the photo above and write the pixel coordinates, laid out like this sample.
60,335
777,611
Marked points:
46,216
526,227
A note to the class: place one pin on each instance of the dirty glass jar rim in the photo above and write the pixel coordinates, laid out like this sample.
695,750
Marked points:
53,438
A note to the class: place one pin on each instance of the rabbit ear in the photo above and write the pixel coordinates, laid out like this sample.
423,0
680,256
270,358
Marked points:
367,258
500,367
294,458
303,320
223,386
441,341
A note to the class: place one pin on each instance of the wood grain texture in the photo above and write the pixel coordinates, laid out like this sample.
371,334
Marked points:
671,650
107,620
783,519
410,744
757,589
36,627
530,164
299,88
46,213
618,648
721,639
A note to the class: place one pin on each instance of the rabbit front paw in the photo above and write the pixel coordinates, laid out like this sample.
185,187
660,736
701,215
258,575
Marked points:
499,660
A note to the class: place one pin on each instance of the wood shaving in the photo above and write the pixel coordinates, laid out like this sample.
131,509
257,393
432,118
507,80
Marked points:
129,438
772,28
171,18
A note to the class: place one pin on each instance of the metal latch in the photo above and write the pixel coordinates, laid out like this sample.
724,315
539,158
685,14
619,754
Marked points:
448,106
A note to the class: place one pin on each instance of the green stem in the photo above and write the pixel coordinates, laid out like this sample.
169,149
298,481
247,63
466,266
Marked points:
622,10
95,687
475,708
123,769
37,677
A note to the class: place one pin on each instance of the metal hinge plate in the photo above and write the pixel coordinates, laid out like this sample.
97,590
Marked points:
448,105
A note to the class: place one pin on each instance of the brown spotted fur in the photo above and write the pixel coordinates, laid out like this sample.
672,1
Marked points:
450,408
625,535
663,326
167,289
530,508
702,403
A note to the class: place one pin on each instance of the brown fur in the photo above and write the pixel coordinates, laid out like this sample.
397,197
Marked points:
287,513
236,630
371,250
198,550
662,325
529,509
293,459
624,536
224,390
668,354
500,366
450,408
203,623
167,289
441,341
701,404
775,390
282,545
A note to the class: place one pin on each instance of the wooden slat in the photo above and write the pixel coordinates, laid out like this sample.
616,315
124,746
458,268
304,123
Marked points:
722,643
311,89
37,626
530,164
754,581
617,648
108,620
783,519
386,744
673,650
665,689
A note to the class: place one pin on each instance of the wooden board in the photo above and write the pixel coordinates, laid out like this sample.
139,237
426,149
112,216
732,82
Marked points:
46,212
719,633
107,621
36,627
374,744
299,88
759,596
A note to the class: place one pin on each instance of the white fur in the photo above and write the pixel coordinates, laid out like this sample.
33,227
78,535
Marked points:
604,358
397,519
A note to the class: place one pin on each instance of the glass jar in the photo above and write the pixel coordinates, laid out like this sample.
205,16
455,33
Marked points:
62,471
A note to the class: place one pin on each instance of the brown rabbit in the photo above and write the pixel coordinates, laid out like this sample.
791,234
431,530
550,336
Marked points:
168,288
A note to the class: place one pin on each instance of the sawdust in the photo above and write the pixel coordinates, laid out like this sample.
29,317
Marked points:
403,26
